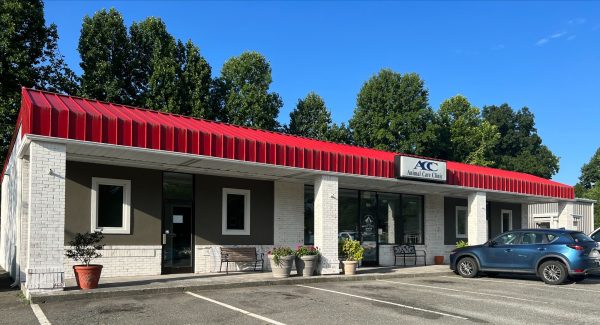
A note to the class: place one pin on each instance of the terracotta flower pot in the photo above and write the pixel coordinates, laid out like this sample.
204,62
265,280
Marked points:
438,260
284,268
350,267
87,277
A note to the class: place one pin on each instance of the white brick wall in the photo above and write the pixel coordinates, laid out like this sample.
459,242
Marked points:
525,216
24,217
565,215
124,260
477,223
289,214
45,269
208,258
9,212
326,223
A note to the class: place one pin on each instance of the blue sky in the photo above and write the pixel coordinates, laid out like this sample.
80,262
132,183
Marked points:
543,55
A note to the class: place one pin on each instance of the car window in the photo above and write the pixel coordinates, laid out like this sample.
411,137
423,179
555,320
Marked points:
580,237
506,239
596,236
532,238
551,237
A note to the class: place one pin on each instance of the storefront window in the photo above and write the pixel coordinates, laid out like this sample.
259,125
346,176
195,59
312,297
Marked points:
412,216
348,214
309,215
388,214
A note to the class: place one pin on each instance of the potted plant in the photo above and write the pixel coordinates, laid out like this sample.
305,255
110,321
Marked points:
84,248
438,260
353,252
307,258
282,260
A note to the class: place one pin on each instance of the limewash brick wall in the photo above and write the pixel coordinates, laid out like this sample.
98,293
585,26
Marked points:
46,227
477,222
208,258
326,223
124,260
289,214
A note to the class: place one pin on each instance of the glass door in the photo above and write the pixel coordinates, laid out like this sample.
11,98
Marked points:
178,223
177,239
368,227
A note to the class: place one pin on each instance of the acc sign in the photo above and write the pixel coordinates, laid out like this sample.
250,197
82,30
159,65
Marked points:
418,168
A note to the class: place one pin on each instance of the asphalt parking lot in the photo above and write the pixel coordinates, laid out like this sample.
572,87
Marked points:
429,300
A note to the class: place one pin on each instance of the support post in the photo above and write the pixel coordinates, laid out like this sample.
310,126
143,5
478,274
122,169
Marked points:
477,224
565,215
326,223
46,226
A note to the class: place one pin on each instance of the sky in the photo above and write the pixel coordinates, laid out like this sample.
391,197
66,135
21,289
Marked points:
543,55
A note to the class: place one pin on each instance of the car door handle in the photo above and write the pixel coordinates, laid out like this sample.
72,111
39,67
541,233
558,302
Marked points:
508,250
541,249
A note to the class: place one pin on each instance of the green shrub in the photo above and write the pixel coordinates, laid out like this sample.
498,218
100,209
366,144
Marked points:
461,244
85,247
352,250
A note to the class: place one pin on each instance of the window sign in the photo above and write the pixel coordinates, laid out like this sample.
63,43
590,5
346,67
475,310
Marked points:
420,168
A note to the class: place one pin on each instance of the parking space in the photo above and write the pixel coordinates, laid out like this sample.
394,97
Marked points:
447,299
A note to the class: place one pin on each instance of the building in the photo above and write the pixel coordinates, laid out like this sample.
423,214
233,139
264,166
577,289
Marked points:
546,215
167,191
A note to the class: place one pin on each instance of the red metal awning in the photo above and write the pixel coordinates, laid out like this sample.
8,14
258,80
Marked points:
68,117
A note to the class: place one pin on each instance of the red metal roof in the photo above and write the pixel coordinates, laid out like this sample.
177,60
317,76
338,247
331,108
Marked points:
61,116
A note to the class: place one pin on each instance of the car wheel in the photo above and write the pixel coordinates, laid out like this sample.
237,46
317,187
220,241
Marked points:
467,267
553,272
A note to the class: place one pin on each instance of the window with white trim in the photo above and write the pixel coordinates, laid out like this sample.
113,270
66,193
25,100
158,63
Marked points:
111,205
462,222
506,220
236,212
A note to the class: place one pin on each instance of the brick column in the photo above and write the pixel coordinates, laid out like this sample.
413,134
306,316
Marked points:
525,216
289,214
477,225
326,223
565,215
45,246
434,227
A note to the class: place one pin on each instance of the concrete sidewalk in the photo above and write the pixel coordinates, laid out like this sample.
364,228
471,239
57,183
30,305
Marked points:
126,286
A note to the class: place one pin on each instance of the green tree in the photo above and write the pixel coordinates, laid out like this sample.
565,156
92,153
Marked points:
104,50
310,118
520,148
590,172
392,113
243,90
154,66
463,136
194,82
29,57
340,133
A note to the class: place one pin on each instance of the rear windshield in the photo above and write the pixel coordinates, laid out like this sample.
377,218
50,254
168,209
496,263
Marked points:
580,237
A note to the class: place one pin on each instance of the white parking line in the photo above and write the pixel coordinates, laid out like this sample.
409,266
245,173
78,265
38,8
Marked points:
385,302
524,284
247,313
39,314
463,291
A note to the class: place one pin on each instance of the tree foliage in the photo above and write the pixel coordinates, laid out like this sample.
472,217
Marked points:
105,58
243,91
464,137
590,172
310,118
29,57
392,113
194,82
520,147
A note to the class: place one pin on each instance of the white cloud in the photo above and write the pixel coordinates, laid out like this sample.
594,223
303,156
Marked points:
541,42
578,21
558,35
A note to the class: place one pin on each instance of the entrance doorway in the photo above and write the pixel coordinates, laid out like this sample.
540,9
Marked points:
178,223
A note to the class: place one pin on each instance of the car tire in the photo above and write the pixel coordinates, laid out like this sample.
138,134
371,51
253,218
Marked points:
553,272
467,267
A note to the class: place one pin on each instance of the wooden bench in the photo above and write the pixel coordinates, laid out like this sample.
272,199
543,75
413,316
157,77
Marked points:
240,254
409,251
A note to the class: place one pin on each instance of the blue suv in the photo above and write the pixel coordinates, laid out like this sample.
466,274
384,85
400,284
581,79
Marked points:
552,254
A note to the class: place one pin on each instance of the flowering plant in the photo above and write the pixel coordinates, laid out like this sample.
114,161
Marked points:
302,250
279,252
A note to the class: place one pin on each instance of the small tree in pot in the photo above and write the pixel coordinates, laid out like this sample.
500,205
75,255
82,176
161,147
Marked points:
353,253
84,248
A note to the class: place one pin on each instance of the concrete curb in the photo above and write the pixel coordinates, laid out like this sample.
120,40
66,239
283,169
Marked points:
122,292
